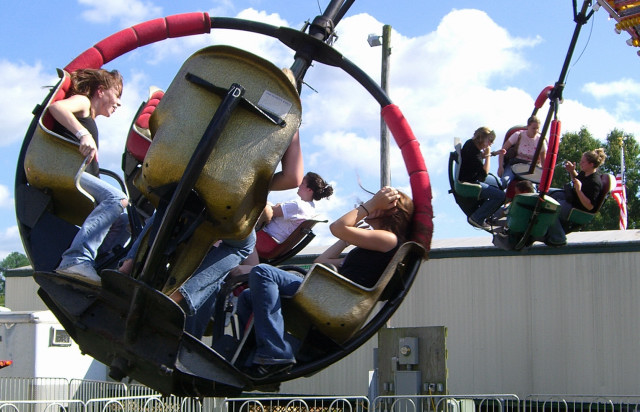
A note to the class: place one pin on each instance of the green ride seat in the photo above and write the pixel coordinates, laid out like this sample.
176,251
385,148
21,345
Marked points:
464,189
521,211
579,217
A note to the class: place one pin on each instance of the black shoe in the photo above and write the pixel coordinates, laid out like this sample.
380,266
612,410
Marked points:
259,371
483,225
553,244
495,221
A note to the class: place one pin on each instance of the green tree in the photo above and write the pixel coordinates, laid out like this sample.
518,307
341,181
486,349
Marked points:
610,212
13,260
571,148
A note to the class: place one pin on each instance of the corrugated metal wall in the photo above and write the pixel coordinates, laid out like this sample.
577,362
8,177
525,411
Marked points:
545,321
562,321
21,291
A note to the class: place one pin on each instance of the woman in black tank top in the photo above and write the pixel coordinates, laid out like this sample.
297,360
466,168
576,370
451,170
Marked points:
386,216
93,93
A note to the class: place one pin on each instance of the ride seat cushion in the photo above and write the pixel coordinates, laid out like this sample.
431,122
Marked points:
139,138
265,244
60,94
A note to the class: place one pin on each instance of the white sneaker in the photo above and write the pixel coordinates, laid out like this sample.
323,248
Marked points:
82,271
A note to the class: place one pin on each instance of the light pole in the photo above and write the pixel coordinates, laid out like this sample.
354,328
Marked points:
374,40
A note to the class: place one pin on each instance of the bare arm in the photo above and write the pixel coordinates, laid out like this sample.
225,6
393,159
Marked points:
543,155
501,154
486,153
332,254
292,171
276,210
345,228
65,112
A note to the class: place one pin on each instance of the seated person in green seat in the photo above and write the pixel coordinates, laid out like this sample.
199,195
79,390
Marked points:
585,190
521,186
474,168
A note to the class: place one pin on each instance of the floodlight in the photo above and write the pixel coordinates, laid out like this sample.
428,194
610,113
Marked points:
374,40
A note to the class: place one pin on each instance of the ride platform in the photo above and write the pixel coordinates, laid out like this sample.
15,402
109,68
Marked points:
99,320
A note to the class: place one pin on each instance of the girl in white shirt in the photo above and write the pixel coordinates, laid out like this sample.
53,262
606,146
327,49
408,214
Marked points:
278,221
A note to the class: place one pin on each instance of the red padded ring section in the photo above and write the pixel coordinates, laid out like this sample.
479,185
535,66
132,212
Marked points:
422,222
140,35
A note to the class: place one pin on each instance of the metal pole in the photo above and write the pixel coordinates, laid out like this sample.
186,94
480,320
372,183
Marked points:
385,174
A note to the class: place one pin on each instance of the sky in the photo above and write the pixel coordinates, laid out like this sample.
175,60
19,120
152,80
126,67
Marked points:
454,66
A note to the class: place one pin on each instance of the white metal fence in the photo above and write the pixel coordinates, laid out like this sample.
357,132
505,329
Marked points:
587,403
298,404
447,403
60,395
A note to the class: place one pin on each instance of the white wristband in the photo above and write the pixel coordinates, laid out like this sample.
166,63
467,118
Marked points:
82,132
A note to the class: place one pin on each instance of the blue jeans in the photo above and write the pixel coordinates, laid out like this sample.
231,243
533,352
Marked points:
507,175
492,197
556,234
201,289
118,234
266,285
206,280
136,244
85,245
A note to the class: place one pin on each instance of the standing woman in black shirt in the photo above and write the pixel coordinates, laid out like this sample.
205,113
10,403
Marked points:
474,168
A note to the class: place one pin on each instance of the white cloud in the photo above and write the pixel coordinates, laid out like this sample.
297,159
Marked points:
23,86
176,50
623,88
10,242
441,81
222,8
128,12
599,121
6,199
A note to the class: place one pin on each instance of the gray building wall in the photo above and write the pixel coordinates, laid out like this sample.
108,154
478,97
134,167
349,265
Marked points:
21,291
542,321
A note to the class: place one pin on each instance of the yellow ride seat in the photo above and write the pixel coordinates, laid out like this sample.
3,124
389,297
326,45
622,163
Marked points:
52,163
234,183
339,307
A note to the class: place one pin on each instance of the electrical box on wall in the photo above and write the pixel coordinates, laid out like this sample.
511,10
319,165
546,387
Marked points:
408,353
411,361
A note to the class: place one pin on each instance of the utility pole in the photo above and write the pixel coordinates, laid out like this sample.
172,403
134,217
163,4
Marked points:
375,40
385,173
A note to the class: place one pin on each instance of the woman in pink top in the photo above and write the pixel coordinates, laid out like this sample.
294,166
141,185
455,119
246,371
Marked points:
527,143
